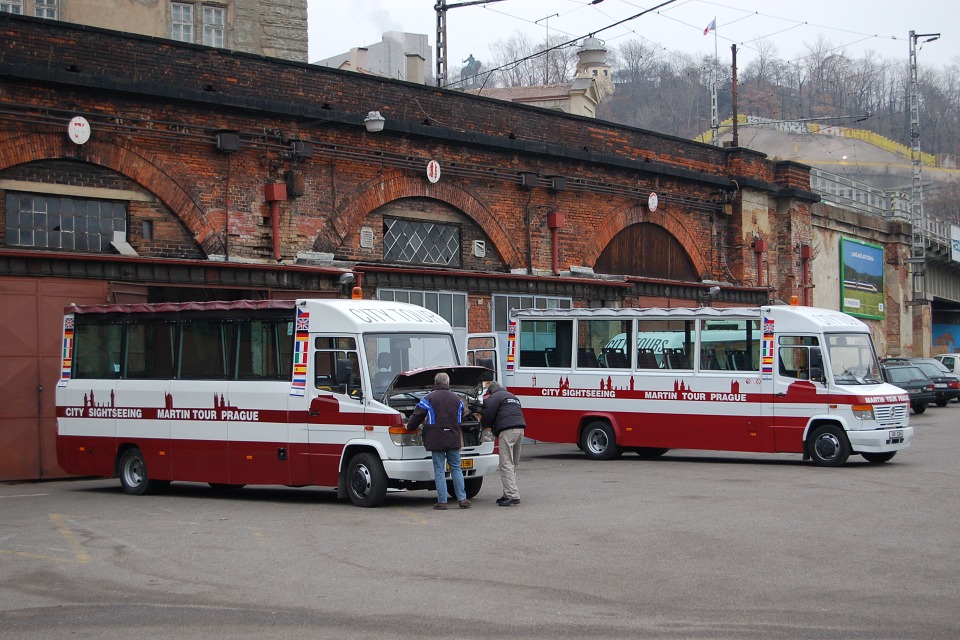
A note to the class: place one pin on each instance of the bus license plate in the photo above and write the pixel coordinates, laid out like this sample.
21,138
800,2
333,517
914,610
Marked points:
896,433
465,463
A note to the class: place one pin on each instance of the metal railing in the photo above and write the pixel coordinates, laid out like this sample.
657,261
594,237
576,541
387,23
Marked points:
859,196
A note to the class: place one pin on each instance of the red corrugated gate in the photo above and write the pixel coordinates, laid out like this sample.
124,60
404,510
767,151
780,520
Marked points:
31,324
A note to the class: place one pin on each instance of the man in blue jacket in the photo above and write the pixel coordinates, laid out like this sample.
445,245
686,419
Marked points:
503,413
440,412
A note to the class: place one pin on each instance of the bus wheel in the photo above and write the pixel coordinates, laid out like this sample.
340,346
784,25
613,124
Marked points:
366,480
828,446
877,458
599,442
472,486
648,453
133,475
918,407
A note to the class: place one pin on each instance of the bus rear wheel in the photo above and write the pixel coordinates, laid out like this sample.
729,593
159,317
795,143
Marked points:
599,442
828,446
366,481
134,477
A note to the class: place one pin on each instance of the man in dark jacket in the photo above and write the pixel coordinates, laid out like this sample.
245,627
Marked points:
440,412
502,412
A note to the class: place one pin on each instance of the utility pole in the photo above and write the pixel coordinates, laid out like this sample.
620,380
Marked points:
918,244
546,66
441,9
736,136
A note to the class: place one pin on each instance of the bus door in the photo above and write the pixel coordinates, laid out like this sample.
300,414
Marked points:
336,411
482,352
799,389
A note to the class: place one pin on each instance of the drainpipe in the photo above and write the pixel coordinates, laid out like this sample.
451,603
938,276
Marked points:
759,248
806,254
555,222
275,193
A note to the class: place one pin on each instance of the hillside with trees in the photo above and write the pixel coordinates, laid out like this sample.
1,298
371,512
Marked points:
669,91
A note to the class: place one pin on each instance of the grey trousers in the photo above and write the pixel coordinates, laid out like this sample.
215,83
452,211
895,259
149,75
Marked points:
511,440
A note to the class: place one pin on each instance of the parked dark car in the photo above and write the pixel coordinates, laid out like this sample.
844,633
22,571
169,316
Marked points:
914,381
946,383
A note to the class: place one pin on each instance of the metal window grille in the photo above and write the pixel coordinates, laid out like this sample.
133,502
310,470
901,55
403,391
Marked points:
72,224
452,307
416,242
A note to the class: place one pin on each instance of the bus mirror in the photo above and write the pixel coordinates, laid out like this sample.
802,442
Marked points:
816,366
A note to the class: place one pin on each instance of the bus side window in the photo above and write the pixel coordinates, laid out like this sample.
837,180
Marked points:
337,365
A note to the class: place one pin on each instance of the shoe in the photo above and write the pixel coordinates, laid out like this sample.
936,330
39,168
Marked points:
465,504
502,499
440,506
509,502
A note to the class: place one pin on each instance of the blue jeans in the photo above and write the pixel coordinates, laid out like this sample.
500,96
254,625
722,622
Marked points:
440,460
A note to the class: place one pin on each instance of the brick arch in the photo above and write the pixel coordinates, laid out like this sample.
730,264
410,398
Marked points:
349,215
142,168
635,215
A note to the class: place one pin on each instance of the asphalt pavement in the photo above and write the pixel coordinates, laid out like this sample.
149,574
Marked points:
692,545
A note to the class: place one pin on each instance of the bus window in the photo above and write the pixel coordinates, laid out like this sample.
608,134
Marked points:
96,352
264,349
337,365
612,339
665,344
546,343
150,349
204,349
730,345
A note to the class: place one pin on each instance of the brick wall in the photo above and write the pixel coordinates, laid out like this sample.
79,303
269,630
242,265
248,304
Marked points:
155,107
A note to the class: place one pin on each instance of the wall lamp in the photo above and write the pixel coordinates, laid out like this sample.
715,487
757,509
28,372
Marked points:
374,122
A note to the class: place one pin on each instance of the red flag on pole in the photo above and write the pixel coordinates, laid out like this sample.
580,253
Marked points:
711,27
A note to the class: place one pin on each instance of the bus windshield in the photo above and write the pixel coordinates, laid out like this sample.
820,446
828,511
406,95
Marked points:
852,358
389,354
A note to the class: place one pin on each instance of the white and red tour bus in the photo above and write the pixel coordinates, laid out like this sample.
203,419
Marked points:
279,392
778,378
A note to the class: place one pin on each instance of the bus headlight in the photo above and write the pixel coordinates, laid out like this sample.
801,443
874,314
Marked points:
403,438
863,411
487,436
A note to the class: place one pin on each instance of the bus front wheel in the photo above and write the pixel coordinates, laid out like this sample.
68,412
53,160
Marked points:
134,477
599,442
828,446
366,481
879,458
472,486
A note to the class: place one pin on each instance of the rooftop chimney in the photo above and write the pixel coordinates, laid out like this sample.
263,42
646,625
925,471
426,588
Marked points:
358,58
415,68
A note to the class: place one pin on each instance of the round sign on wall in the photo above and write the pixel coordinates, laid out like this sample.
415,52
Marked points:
433,171
79,130
652,202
